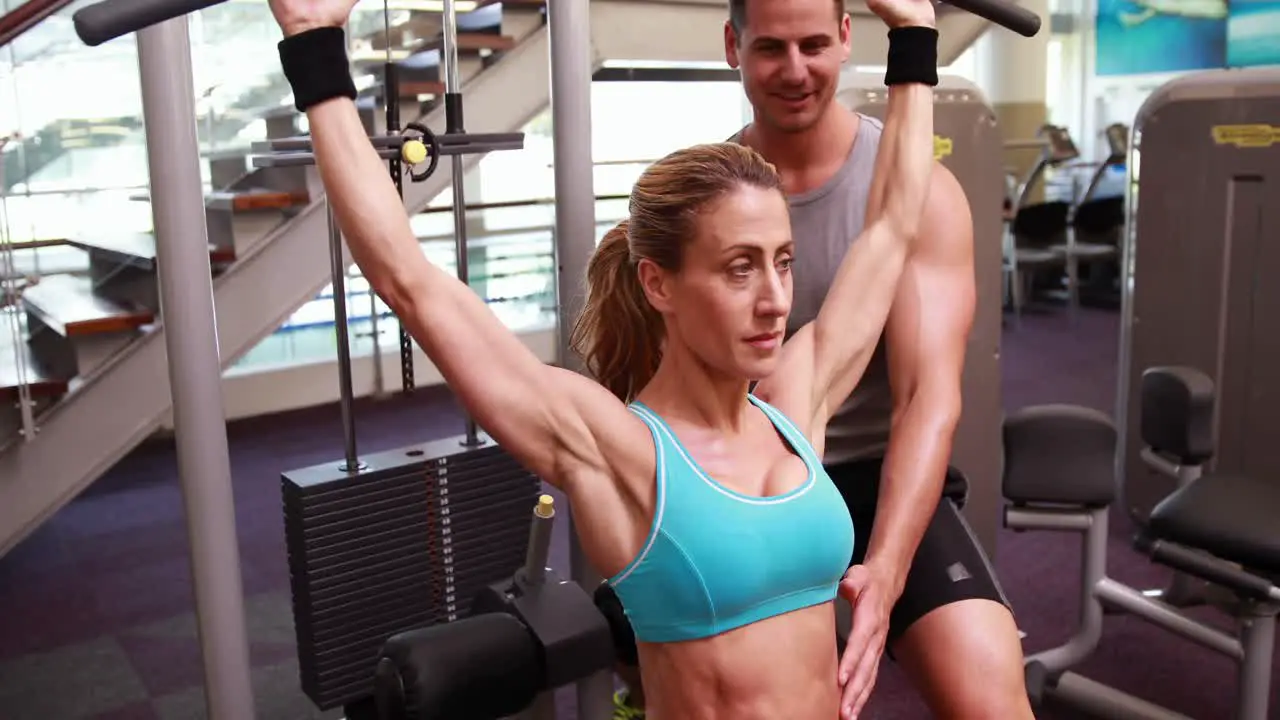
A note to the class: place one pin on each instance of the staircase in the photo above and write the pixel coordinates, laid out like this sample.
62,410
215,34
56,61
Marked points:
96,347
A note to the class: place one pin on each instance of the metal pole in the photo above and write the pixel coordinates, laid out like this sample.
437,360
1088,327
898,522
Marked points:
449,58
338,269
569,23
195,372
454,123
535,562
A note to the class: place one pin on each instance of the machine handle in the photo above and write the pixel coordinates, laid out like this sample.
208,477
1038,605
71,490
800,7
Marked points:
109,19
1207,567
1003,13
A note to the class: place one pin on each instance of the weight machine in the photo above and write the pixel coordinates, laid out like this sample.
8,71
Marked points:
351,569
1096,225
341,638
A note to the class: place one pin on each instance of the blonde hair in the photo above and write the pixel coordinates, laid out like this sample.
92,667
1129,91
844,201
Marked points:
619,335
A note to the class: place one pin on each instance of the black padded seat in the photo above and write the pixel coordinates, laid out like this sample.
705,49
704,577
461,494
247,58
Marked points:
1059,455
1230,516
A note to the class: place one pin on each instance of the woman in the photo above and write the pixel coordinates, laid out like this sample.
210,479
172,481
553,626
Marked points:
705,504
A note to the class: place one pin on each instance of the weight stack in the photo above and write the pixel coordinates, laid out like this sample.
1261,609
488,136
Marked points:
403,544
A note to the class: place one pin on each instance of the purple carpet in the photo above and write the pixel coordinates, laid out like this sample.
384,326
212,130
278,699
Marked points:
96,611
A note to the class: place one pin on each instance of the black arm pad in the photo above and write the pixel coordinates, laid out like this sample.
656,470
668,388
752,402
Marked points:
483,666
1206,568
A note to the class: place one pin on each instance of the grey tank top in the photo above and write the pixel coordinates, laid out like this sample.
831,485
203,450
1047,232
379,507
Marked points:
824,223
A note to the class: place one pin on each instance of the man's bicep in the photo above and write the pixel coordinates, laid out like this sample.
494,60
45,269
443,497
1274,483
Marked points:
928,327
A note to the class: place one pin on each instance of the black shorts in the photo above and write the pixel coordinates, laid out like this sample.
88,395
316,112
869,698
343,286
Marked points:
949,564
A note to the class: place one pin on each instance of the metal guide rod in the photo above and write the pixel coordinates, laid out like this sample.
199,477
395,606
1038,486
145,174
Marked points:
454,125
195,373
341,330
569,23
338,269
449,56
391,93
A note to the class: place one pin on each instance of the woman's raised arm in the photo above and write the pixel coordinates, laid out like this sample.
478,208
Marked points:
553,420
840,341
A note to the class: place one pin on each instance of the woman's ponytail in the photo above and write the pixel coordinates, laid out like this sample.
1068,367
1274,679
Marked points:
619,334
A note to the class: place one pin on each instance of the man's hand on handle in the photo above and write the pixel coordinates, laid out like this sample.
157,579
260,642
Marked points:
904,13
298,16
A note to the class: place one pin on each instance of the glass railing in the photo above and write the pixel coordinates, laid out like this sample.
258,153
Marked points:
510,262
513,269
77,111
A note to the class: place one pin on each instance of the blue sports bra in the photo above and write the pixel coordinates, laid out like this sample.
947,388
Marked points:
716,559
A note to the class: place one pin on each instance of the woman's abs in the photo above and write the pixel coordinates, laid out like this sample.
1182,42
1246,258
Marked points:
781,667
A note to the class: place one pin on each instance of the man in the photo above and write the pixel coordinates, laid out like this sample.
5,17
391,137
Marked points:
920,585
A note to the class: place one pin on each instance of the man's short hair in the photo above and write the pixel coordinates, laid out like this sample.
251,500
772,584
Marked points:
738,14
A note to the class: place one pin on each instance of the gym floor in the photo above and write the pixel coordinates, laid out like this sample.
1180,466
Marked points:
96,609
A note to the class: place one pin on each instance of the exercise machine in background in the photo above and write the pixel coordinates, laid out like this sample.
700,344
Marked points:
1036,230
1096,229
1067,248
1191,454
1219,529
1200,258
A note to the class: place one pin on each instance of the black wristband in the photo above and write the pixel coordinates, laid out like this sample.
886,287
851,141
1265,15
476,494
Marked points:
913,56
315,64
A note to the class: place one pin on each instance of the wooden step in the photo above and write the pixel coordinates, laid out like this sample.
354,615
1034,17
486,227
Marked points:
42,383
246,200
408,89
68,305
423,25
138,248
250,200
470,43
415,88
514,4
470,46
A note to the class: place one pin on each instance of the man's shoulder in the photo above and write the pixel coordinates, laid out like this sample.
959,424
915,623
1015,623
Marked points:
870,125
